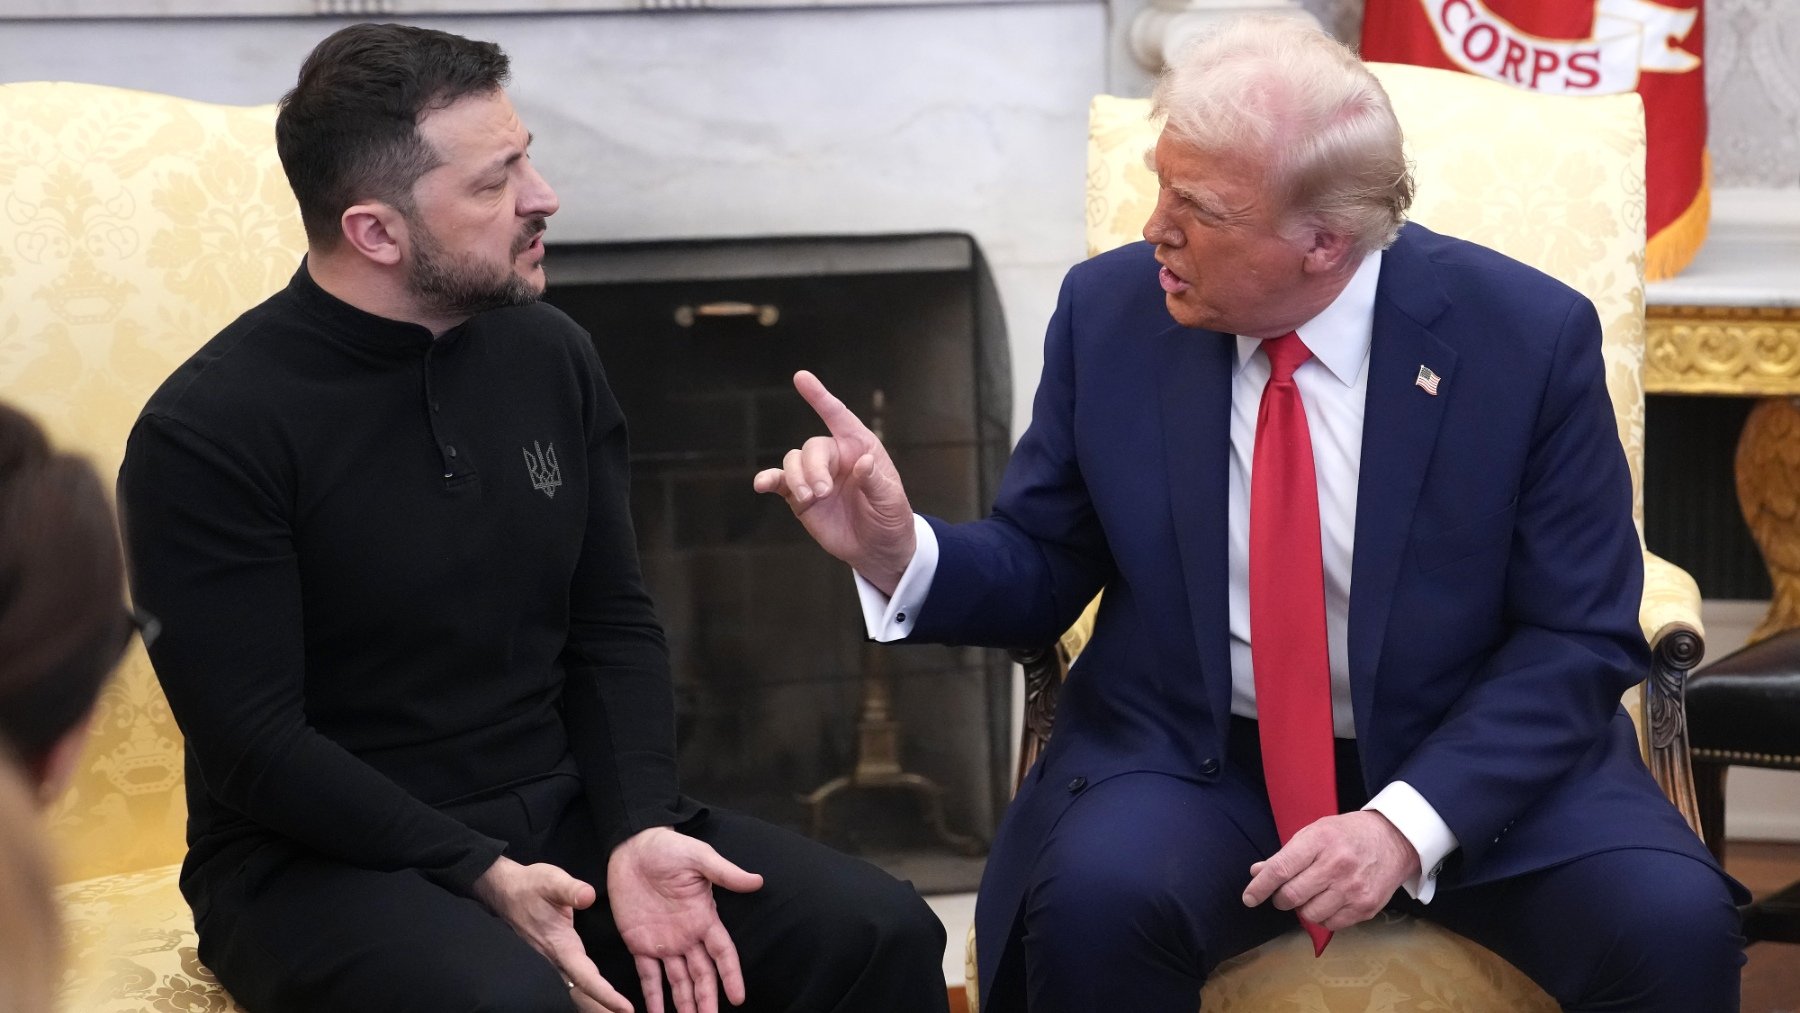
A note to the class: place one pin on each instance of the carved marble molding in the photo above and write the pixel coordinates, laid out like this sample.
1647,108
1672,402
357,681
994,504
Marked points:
1749,351
1162,27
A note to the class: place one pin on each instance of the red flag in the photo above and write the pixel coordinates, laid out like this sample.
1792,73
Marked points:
1582,47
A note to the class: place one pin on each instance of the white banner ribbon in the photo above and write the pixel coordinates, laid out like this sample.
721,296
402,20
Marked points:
1630,36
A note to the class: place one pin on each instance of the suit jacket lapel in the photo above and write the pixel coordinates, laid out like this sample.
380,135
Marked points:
1195,371
1400,428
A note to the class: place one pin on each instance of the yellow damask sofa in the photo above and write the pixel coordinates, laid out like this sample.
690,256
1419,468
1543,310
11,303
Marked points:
1559,184
135,227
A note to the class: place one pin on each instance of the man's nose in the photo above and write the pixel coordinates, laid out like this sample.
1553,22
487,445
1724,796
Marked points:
1158,229
537,199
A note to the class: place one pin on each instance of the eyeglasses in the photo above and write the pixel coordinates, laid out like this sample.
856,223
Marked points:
143,624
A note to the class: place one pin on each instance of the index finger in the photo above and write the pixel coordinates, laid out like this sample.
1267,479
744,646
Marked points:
585,1003
1282,866
587,979
838,419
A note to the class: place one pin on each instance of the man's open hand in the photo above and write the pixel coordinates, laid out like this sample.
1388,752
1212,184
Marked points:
1337,871
539,902
660,884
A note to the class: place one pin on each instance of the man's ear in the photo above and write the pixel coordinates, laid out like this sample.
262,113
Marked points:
375,230
1326,252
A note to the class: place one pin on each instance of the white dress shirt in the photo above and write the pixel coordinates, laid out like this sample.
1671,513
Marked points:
1334,388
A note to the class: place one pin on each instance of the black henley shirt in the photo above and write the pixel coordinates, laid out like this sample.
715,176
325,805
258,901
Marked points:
393,573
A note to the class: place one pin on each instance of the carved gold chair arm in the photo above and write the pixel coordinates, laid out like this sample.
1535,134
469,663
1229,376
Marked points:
1670,617
1044,670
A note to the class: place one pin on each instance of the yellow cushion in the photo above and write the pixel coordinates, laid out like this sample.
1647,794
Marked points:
138,226
1389,964
132,948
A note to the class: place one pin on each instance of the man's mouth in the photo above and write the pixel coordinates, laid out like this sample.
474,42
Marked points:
532,239
1172,282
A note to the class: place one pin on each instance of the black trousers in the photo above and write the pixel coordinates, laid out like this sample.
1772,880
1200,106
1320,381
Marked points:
289,932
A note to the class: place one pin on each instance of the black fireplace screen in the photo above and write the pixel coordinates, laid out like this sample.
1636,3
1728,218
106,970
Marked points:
896,752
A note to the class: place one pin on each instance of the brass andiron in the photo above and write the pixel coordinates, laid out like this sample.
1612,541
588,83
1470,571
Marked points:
878,738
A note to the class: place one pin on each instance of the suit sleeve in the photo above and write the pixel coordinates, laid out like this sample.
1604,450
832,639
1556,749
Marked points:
1019,577
1543,700
212,557
618,694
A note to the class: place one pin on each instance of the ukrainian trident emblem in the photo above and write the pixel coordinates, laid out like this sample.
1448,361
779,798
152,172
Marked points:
546,474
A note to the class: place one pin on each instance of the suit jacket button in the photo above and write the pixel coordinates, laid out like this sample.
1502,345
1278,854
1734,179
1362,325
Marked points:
1077,784
1209,766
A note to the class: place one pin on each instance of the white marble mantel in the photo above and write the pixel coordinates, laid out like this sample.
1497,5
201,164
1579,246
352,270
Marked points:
1751,257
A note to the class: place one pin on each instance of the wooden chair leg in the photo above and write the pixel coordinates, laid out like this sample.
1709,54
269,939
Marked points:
1709,797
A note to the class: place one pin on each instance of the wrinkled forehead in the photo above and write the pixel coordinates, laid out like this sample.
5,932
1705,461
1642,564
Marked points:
1182,165
472,129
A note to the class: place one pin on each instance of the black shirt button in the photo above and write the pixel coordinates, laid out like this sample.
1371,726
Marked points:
1209,766
899,617
448,449
434,406
1077,784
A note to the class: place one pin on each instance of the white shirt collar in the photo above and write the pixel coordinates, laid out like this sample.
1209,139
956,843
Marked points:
1340,335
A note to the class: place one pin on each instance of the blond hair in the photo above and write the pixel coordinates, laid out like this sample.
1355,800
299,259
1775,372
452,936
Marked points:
1280,90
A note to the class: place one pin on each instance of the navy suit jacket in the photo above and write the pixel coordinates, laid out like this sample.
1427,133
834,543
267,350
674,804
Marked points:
1494,588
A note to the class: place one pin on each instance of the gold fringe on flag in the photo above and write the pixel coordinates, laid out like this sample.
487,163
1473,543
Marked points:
1673,248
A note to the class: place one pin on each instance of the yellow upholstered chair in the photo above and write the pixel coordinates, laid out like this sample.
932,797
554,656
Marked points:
1559,184
135,227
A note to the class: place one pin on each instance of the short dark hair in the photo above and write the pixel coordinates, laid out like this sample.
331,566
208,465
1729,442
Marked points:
349,129
63,621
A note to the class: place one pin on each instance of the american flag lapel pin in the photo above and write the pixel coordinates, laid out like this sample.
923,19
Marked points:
1427,381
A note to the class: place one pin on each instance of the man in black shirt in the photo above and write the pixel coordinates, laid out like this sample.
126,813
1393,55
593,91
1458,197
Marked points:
383,517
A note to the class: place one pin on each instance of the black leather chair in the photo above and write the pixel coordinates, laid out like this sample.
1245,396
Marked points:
1744,710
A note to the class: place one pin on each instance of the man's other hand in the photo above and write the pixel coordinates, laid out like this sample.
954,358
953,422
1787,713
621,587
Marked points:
846,492
660,885
539,902
1337,871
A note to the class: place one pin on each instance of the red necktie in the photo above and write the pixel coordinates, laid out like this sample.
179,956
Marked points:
1287,608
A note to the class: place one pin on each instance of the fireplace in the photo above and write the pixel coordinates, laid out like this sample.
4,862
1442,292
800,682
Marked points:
1691,512
778,692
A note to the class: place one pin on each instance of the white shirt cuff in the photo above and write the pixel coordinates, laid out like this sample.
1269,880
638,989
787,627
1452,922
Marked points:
890,619
1421,825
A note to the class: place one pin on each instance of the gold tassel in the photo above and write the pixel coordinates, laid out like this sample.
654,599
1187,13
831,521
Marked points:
1673,248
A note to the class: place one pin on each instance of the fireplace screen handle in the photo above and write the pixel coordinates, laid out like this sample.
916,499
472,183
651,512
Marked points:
765,313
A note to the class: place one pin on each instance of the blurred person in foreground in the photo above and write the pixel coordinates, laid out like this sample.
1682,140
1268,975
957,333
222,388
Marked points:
30,927
1356,497
64,623
63,627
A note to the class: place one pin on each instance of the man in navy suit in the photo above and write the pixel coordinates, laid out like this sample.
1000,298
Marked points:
1356,498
